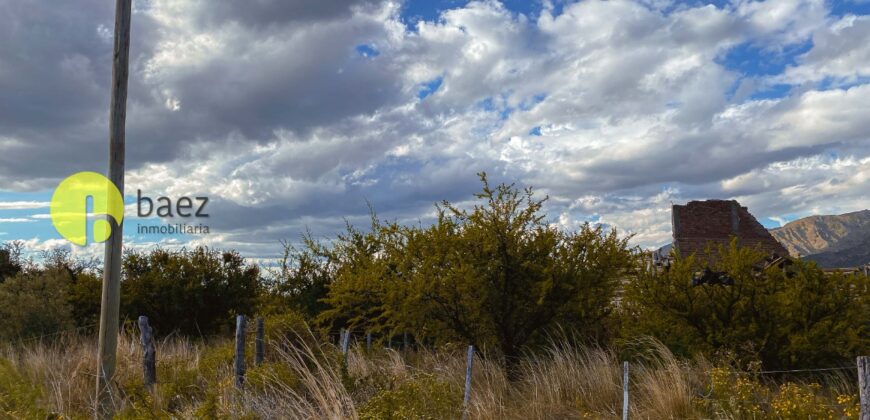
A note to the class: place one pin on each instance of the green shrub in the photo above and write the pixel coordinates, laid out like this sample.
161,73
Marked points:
799,317
195,292
183,384
743,395
84,296
423,397
34,304
139,401
10,264
496,275
178,386
284,330
800,401
18,397
263,378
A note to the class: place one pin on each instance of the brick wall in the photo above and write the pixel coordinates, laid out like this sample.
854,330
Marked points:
700,224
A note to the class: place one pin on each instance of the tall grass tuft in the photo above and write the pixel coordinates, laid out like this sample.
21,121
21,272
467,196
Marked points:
304,377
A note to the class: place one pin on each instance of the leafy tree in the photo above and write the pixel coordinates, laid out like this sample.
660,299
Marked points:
496,275
84,294
299,283
62,259
797,317
82,283
364,267
192,291
10,260
34,304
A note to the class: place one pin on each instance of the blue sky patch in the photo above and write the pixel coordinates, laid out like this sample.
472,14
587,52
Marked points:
430,11
772,92
367,51
534,100
781,220
430,87
841,8
489,105
751,59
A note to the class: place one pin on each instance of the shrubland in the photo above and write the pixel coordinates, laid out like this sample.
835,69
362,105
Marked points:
305,376
551,311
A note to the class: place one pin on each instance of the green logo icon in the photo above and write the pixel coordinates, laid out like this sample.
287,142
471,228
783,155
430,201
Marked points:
69,212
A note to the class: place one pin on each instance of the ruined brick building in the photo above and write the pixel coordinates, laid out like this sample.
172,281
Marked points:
700,226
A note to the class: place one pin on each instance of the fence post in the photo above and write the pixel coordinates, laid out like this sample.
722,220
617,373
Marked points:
864,386
468,368
149,353
240,351
345,344
341,339
625,390
259,351
405,341
369,341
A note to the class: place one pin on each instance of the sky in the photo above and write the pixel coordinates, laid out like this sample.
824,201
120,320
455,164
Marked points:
292,115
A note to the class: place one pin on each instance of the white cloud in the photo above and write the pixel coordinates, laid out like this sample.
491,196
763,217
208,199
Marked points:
23,205
840,54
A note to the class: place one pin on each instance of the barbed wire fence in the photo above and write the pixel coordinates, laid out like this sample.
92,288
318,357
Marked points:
861,368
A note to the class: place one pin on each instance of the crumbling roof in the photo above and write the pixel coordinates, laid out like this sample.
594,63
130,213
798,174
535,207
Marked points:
715,222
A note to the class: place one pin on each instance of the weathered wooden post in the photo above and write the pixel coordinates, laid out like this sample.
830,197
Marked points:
259,350
625,390
369,341
149,353
111,294
468,369
240,351
345,344
864,386
405,342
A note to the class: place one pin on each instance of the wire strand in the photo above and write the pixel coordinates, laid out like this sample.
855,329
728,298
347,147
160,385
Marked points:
39,337
762,372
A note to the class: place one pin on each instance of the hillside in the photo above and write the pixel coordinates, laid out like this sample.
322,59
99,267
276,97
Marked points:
834,241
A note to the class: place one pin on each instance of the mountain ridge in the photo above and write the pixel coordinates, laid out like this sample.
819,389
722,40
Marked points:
831,240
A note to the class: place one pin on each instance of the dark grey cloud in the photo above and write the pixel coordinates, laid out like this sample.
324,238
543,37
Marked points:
54,79
264,13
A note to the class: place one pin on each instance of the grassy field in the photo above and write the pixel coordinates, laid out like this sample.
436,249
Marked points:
304,377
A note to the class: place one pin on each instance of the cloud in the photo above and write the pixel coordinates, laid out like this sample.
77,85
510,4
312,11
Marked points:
280,113
23,205
16,220
840,55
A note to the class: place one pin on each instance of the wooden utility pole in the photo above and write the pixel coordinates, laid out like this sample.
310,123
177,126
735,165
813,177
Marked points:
109,307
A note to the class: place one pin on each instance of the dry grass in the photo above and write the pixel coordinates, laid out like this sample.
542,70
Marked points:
306,378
